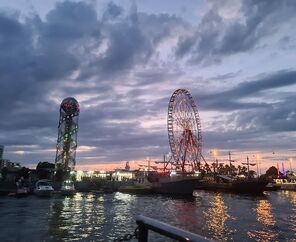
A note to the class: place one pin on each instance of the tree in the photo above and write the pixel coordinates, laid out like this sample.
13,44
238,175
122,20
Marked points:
45,170
272,172
24,172
45,165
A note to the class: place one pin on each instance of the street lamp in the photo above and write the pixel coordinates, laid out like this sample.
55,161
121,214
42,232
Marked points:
290,162
215,154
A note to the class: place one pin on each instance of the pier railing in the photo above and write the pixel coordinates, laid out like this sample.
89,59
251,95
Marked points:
145,224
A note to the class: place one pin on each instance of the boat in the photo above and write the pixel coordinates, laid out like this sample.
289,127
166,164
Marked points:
249,185
272,186
108,188
136,189
20,192
68,188
225,183
286,184
215,183
174,183
43,188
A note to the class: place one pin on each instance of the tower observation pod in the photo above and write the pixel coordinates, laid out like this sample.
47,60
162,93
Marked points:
67,135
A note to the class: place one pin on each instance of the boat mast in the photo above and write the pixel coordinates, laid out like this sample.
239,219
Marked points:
230,161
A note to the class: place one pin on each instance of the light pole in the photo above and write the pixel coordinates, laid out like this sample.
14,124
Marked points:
215,154
290,162
258,157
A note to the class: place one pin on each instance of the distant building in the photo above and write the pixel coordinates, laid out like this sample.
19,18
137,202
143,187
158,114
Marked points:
80,175
8,164
5,162
123,175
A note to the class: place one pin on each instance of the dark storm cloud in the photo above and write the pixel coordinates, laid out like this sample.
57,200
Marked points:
34,55
275,117
131,38
216,37
109,62
38,56
254,125
112,12
232,99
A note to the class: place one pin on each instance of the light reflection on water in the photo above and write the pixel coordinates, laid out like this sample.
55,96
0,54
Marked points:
216,218
264,216
86,216
292,216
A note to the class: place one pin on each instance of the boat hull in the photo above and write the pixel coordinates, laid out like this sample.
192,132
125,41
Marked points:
251,187
43,193
175,186
135,189
288,186
247,187
214,186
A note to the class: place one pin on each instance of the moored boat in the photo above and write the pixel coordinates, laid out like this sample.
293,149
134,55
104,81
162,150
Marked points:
236,185
68,188
286,184
136,189
43,188
251,186
174,183
271,186
20,192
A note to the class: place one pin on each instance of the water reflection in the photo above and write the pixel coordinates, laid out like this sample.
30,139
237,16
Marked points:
89,217
186,213
264,216
216,218
292,216
264,213
76,218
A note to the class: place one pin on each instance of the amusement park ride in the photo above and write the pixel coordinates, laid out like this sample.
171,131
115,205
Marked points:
67,137
184,131
186,173
184,134
185,139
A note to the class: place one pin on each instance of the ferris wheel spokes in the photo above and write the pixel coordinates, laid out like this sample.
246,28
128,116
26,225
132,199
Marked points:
184,130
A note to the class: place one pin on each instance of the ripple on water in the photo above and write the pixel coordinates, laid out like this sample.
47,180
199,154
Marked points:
223,217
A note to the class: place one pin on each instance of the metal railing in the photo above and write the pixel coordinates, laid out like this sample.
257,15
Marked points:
145,224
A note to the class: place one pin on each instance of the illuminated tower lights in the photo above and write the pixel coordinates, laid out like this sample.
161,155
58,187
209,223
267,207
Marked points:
67,134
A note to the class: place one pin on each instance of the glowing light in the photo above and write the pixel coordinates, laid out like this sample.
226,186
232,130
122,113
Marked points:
290,162
173,173
214,152
197,173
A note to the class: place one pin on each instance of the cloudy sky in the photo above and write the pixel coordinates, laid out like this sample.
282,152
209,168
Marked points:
122,60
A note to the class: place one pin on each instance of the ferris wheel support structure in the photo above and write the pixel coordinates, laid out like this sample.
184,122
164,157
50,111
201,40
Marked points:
184,131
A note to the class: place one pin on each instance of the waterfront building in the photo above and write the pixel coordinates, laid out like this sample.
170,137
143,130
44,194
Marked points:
80,175
124,174
7,163
116,175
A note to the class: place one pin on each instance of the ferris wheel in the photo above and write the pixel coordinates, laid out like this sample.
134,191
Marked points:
184,131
